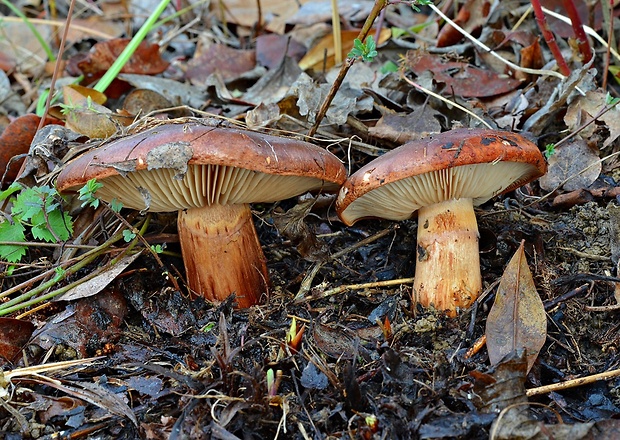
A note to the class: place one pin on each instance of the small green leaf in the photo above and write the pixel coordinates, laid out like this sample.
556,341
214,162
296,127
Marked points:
57,221
549,150
157,248
12,189
116,205
128,235
87,193
12,232
389,67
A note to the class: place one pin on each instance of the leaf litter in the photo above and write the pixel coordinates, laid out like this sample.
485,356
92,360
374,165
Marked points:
371,364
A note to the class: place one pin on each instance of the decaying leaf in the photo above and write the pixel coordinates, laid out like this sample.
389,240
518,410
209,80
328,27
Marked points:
472,15
98,283
517,319
400,128
292,225
584,108
14,334
573,166
461,78
172,156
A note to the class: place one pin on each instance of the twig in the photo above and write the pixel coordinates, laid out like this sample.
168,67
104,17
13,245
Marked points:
549,37
572,383
376,9
580,34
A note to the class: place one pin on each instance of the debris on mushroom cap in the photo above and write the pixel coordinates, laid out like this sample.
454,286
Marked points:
192,164
462,163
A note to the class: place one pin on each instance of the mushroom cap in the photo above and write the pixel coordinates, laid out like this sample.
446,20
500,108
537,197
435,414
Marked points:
461,163
188,164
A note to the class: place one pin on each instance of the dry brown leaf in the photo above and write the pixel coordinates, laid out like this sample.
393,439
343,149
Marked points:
517,319
584,108
572,166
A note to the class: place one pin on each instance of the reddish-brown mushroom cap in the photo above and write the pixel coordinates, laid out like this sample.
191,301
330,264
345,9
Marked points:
209,174
192,164
442,177
462,163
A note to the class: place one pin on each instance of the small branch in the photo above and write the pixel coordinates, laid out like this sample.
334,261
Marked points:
550,38
376,9
580,34
572,383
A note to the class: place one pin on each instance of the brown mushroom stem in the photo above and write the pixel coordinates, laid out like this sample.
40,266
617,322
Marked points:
447,272
222,254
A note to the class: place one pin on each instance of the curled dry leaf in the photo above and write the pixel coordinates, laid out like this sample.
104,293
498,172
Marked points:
517,319
15,141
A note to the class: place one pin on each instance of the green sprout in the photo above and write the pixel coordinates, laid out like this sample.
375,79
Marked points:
87,193
549,150
35,210
366,51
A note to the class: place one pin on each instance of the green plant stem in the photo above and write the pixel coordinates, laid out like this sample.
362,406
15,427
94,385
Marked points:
16,303
20,302
374,13
129,50
35,32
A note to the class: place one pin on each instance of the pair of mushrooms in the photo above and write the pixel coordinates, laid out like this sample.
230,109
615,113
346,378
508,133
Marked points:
211,174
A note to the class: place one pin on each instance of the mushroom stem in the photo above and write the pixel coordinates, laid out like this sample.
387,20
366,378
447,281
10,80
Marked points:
222,254
447,272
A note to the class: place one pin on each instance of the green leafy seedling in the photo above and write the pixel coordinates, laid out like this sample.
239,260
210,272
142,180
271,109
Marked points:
128,235
549,150
87,193
366,51
36,210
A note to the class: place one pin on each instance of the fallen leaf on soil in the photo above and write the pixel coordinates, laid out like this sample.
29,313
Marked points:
230,63
402,128
174,91
560,94
86,325
461,79
274,86
85,116
272,48
292,225
272,12
517,319
14,334
97,395
146,60
572,166
584,108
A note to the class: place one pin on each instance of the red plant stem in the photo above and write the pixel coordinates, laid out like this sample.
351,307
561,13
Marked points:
610,35
580,33
549,38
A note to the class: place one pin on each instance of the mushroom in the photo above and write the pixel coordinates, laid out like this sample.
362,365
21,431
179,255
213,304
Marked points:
442,177
210,174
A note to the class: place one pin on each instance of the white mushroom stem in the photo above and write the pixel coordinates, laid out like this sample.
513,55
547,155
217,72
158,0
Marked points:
447,272
222,254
